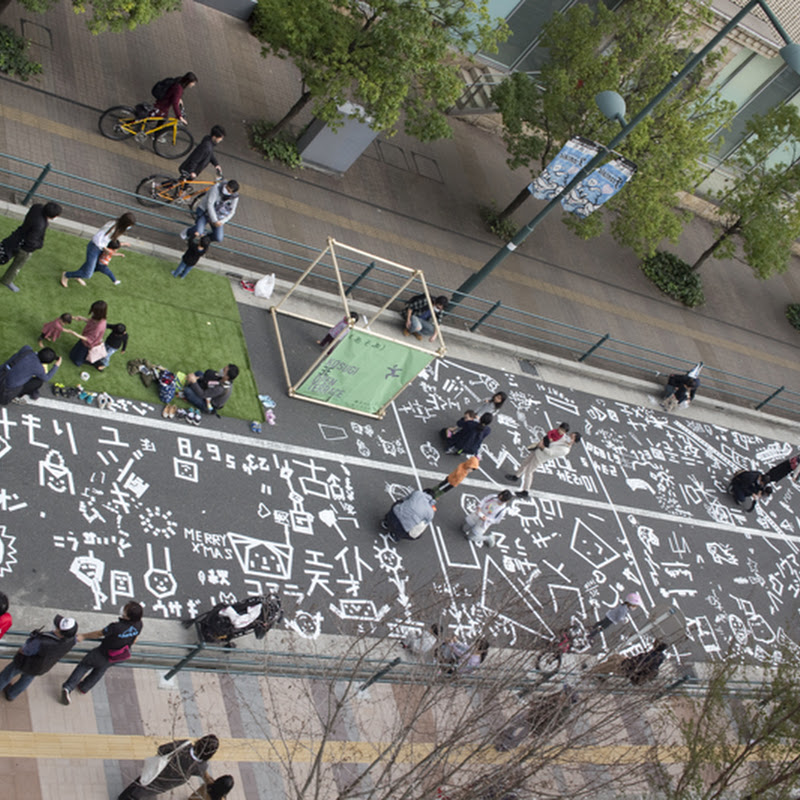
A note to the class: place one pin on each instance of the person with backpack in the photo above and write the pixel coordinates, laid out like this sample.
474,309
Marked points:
168,93
25,240
216,207
118,638
25,372
40,653
203,155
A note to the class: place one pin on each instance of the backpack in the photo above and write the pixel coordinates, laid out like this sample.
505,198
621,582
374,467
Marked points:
160,88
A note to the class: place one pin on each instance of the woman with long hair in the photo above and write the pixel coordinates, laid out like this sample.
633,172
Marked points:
108,233
90,340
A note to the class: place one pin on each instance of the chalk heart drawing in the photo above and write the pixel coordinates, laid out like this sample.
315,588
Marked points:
262,559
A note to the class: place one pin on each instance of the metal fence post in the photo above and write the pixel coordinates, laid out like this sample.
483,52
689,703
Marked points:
594,347
360,278
37,183
379,674
485,317
771,397
184,661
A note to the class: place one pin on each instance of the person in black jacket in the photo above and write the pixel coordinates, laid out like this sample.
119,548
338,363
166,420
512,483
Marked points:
40,653
25,240
196,249
203,154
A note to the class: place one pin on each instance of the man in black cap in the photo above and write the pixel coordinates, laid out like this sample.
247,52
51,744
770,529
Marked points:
40,653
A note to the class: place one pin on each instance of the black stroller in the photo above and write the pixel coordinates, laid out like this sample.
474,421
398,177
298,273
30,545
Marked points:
227,621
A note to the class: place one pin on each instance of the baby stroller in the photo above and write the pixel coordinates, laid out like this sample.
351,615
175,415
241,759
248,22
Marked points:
226,622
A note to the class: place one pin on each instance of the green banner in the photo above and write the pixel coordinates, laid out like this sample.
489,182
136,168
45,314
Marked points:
364,372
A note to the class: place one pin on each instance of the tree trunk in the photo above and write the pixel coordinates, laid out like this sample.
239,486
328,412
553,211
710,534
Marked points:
723,237
514,205
282,124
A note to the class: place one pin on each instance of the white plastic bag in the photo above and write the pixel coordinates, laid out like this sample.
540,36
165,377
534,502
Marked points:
265,286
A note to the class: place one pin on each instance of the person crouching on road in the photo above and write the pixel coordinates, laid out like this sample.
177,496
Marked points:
408,517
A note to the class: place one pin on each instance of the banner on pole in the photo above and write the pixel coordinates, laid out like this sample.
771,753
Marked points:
364,372
597,187
572,157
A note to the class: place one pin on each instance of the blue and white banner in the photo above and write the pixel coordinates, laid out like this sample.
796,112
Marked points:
597,187
574,155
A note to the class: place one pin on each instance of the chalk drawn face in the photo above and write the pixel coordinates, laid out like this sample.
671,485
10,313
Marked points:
309,626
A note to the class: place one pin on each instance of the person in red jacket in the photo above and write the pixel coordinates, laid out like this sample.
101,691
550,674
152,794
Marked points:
174,97
5,617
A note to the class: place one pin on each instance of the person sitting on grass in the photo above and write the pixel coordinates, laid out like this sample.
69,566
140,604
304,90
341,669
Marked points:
210,390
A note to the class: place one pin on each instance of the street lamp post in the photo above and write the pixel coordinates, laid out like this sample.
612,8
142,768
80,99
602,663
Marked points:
790,53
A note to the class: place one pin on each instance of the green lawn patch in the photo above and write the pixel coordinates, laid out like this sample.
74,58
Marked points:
184,325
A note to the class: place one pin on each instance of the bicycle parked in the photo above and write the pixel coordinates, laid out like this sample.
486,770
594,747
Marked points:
169,136
156,190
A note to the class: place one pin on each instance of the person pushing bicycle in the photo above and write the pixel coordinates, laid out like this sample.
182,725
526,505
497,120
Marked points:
173,96
203,155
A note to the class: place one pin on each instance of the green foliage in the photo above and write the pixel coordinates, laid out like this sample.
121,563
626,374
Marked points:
502,227
281,148
632,51
391,57
14,55
112,15
759,207
675,278
793,315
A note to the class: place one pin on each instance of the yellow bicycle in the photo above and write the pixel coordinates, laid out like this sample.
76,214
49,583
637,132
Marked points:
170,138
156,190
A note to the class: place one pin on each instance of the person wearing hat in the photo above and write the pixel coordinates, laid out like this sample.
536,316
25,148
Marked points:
40,653
616,615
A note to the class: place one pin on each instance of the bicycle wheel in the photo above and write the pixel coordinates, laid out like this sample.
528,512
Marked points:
110,122
166,148
196,199
150,191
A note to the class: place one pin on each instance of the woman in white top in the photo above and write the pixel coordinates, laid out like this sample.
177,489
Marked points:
110,231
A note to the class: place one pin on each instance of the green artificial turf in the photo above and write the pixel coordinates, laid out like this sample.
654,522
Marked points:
184,325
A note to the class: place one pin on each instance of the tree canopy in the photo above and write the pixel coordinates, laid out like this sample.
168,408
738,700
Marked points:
390,57
112,15
634,51
758,206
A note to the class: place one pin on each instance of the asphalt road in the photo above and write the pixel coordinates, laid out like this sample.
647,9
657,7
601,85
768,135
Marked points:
101,506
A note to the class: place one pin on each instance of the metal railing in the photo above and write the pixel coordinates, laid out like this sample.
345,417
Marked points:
261,251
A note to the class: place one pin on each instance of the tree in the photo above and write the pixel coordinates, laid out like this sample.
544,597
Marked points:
389,56
759,207
112,15
634,51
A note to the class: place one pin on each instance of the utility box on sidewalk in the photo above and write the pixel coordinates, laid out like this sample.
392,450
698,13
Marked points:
330,150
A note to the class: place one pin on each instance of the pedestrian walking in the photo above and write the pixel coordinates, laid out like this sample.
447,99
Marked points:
5,616
749,486
418,316
616,615
89,346
23,374
422,643
457,658
789,467
555,444
469,435
456,476
408,517
117,640
116,340
172,766
99,242
488,512
203,155
196,248
337,329
216,208
21,243
40,653
644,667
681,388
218,789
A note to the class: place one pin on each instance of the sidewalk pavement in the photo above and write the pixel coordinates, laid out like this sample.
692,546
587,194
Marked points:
413,203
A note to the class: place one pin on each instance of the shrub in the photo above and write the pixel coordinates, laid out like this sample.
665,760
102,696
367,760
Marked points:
504,229
14,55
675,278
793,315
282,148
